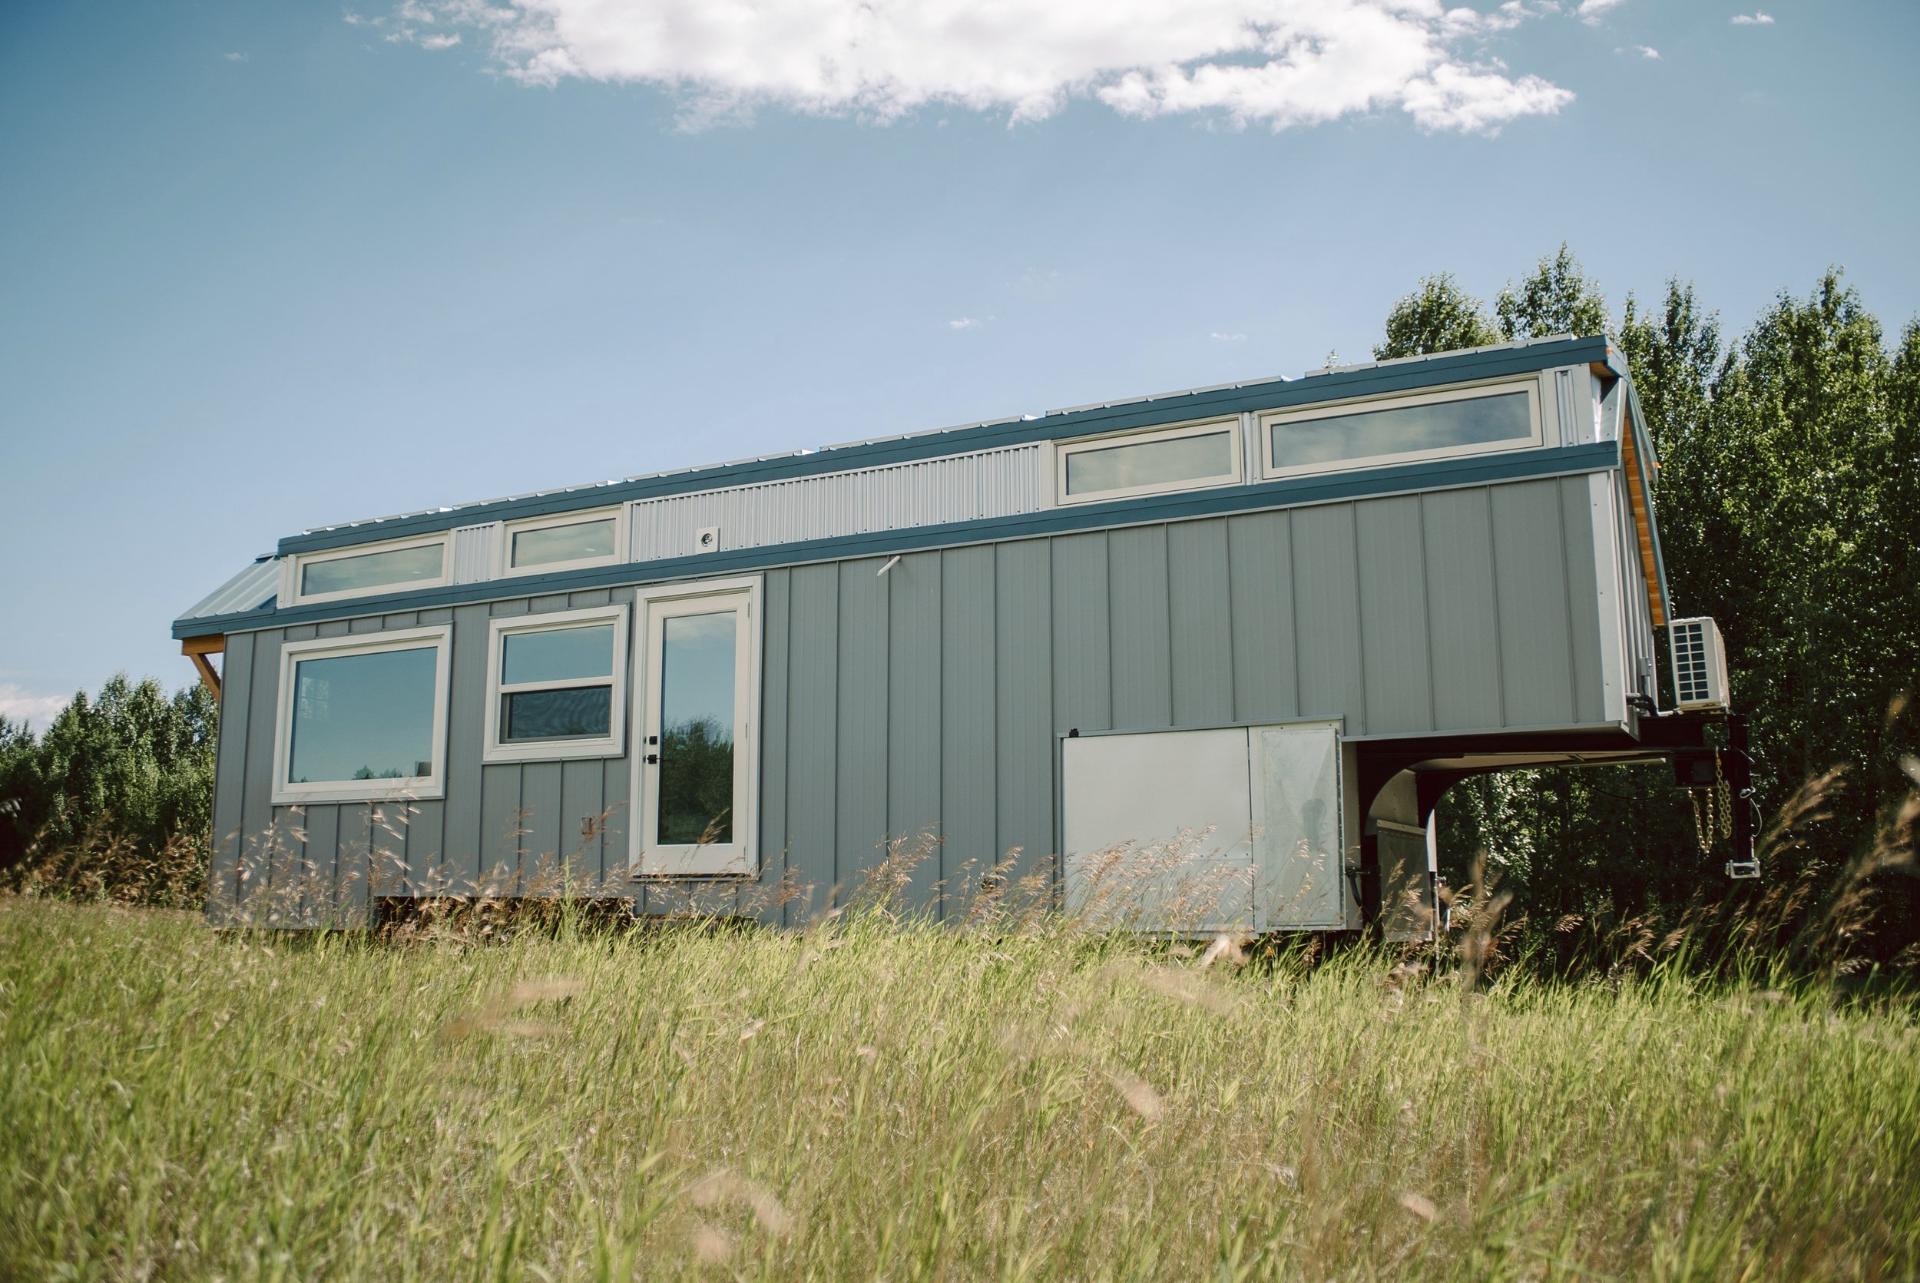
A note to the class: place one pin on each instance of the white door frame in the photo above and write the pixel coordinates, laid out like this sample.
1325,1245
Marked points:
652,607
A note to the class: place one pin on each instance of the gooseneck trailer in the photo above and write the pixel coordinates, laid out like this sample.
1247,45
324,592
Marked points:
1202,660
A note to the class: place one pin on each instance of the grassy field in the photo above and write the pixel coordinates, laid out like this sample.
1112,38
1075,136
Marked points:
867,1101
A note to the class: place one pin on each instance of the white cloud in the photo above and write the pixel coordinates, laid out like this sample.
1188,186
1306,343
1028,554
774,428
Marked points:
1268,62
445,40
234,56
966,323
20,705
1648,52
1222,336
1590,11
1758,18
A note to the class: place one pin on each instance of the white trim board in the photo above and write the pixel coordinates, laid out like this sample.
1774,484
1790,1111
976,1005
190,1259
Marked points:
652,607
431,785
613,743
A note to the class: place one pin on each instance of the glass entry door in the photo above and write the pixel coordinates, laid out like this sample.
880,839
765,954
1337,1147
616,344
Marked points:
695,765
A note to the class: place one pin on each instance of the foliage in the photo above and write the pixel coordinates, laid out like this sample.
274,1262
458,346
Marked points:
869,1098
1557,299
115,798
696,782
1437,317
1788,501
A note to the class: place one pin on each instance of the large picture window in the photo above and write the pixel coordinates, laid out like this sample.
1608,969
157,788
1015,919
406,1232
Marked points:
1187,457
363,571
568,542
555,683
1401,429
362,720
696,772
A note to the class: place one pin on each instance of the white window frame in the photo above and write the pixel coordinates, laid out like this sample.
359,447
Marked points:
741,857
292,654
509,529
613,743
1064,450
1367,405
301,561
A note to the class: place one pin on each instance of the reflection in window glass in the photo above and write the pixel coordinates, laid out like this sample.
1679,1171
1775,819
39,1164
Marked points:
1207,456
1437,425
363,717
581,541
696,729
372,570
577,713
557,655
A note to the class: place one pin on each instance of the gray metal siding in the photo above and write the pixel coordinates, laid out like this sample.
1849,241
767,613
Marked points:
913,716
1536,645
1023,707
928,700
969,825
925,492
1396,652
1462,616
1260,579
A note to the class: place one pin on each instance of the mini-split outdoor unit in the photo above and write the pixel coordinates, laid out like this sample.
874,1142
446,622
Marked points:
1699,664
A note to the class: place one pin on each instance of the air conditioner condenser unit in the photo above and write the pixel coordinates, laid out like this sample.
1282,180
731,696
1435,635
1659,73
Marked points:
1699,664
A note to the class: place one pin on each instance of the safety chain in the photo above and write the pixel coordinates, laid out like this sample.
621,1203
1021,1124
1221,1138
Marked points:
1719,799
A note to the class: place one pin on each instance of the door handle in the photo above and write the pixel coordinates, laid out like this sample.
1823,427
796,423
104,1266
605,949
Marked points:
653,759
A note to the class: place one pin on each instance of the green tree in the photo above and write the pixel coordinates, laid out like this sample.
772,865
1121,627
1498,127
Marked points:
1557,299
1438,316
131,767
1788,500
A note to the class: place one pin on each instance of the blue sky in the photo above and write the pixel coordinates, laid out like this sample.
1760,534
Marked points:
273,265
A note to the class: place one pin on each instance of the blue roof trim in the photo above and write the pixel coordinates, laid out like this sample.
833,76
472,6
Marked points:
1439,474
1268,395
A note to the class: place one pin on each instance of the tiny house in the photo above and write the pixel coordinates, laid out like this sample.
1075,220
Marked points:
1238,639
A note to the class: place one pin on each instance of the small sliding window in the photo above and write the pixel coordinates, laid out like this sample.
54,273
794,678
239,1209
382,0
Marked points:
367,569
1434,425
1189,456
556,685
572,541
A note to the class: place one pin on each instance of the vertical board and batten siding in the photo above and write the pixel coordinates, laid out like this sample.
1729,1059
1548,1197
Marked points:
927,702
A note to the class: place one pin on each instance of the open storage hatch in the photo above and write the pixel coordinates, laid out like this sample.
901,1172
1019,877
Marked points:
1187,832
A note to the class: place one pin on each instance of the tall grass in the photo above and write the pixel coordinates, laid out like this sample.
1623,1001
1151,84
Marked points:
878,1098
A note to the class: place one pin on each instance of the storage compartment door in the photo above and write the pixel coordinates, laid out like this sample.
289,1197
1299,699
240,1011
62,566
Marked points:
1158,830
1299,874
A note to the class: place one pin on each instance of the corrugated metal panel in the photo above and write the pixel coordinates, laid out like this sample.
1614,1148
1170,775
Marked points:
968,487
250,589
1575,426
476,553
